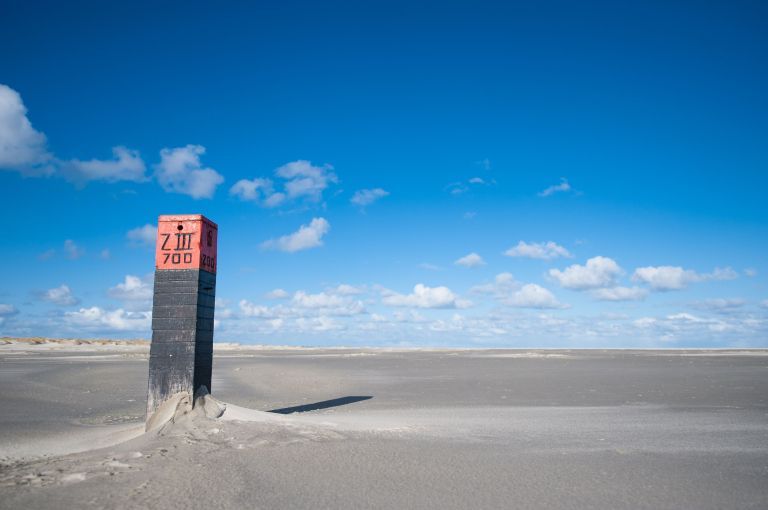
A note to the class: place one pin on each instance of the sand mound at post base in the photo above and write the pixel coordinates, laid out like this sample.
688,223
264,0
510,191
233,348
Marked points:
179,409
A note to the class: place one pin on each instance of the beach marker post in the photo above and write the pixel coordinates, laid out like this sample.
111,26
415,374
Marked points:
181,352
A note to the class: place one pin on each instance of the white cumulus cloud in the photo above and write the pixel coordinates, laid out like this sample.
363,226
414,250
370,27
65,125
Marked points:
503,284
277,294
99,319
330,304
126,165
7,310
598,272
645,322
319,300
620,294
321,323
426,297
345,289
365,197
22,147
471,260
252,189
544,251
61,296
249,309
664,278
142,236
305,179
304,304
180,171
300,180
133,288
308,236
531,295
501,287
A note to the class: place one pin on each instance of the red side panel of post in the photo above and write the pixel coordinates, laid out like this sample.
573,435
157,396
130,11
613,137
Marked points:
186,242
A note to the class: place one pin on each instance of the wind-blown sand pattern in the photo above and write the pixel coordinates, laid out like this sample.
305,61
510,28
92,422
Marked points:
388,429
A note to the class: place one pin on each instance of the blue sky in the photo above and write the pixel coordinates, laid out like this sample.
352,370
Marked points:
550,174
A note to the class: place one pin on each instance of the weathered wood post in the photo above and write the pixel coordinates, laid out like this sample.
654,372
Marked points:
181,354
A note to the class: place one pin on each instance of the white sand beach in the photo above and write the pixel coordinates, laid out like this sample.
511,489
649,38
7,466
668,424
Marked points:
368,428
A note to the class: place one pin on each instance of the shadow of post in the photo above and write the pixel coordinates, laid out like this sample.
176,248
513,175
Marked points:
342,401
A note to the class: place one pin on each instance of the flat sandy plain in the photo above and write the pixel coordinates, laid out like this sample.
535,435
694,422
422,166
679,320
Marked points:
390,429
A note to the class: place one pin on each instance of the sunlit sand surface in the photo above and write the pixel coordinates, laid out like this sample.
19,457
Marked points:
367,428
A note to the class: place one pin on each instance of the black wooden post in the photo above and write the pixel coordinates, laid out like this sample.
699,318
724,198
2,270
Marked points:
181,353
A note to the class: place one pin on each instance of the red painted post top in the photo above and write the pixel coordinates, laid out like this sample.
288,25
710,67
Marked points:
186,241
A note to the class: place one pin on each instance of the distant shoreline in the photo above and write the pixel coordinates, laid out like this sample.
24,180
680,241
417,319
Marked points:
140,344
